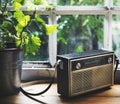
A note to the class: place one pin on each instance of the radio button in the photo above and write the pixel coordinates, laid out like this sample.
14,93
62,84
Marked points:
78,66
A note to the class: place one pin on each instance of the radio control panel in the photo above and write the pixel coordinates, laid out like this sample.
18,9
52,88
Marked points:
78,64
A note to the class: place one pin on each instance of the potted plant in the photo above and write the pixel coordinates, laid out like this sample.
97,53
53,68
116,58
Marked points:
16,39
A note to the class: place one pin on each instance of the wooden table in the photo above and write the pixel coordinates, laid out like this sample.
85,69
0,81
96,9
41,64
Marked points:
105,96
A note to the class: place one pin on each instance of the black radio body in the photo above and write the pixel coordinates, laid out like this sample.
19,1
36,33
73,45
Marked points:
79,73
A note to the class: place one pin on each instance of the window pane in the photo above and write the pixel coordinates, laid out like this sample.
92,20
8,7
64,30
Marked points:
42,54
116,2
80,2
116,35
9,2
79,33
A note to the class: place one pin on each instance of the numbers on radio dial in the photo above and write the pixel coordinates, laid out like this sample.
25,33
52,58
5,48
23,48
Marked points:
78,66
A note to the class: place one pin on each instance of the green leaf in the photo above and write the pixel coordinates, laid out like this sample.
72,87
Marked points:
19,1
62,40
18,15
17,6
39,19
50,29
79,48
85,22
35,40
40,2
33,45
19,28
23,22
5,12
49,7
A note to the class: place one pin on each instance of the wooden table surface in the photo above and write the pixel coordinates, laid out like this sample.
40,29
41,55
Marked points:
107,96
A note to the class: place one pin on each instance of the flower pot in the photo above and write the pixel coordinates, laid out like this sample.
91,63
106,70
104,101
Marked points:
10,71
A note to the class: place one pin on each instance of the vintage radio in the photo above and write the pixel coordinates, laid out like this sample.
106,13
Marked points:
79,73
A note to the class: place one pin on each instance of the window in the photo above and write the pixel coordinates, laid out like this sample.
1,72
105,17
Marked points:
42,54
77,33
82,25
116,2
116,35
107,12
80,2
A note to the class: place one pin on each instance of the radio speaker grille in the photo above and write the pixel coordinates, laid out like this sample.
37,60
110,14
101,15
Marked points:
91,79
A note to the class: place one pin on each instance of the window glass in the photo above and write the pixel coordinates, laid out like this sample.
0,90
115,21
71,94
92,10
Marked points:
116,35
42,54
80,2
9,2
116,2
78,33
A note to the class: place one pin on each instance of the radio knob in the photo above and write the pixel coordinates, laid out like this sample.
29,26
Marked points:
78,66
109,60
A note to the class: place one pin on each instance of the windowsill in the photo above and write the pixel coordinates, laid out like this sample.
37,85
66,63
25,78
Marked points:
31,74
45,74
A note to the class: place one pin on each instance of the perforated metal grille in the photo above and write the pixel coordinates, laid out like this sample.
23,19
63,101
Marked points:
93,78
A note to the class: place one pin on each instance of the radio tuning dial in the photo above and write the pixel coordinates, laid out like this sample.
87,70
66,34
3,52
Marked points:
78,66
109,60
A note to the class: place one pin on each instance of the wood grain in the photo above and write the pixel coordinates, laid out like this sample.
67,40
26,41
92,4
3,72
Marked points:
104,96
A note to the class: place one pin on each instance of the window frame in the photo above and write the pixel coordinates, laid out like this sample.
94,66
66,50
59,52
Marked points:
108,10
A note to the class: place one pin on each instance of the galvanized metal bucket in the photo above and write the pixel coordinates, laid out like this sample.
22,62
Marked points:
10,71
